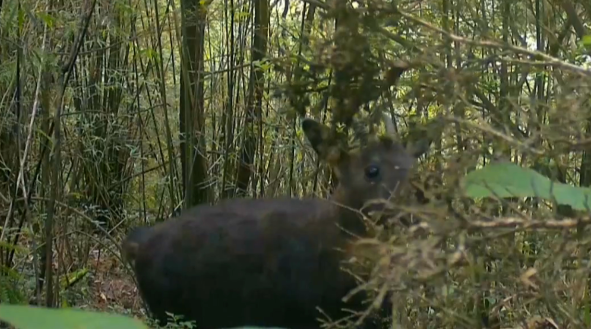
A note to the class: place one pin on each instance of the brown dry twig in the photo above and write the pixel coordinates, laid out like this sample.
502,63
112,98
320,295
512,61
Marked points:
525,224
517,223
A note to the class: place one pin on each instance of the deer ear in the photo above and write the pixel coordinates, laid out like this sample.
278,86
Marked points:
319,137
419,139
419,147
315,133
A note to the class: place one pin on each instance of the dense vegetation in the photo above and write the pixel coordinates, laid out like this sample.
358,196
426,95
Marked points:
118,114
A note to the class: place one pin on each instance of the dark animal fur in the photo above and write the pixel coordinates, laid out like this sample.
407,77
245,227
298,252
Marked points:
265,262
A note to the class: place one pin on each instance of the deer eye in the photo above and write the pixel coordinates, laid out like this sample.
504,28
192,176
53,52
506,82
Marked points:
372,171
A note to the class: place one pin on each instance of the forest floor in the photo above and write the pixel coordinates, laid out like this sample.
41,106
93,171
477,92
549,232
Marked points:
111,287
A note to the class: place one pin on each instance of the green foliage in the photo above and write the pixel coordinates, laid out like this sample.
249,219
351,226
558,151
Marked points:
67,280
11,282
177,322
509,180
31,317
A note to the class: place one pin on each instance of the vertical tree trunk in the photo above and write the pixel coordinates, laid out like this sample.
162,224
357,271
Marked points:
191,117
227,121
255,97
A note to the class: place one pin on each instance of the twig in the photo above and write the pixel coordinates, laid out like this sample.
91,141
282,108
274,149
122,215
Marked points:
550,60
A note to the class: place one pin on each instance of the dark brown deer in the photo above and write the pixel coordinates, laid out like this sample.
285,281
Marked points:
268,262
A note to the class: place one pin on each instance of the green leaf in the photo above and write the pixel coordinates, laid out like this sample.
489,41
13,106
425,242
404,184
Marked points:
586,40
47,19
509,180
31,317
72,278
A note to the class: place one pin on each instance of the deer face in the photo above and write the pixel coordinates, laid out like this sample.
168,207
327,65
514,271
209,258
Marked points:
373,171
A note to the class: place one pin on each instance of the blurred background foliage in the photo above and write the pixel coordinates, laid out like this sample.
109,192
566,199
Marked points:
121,113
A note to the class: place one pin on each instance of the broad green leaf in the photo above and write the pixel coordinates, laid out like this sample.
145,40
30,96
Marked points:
32,317
509,180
